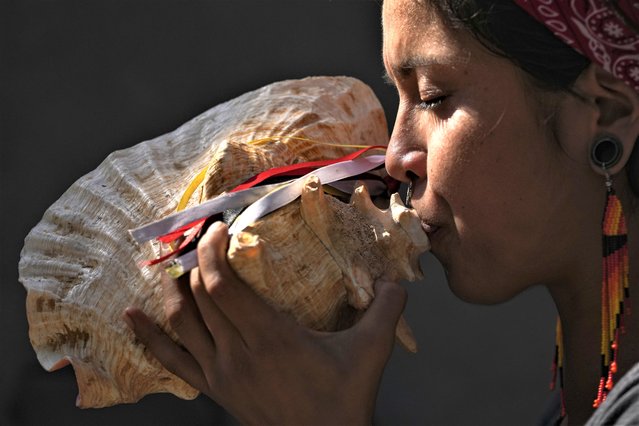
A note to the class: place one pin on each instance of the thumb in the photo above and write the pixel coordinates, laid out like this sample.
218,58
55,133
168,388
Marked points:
380,320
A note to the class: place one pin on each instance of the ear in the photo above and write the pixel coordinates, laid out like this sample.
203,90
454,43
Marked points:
616,109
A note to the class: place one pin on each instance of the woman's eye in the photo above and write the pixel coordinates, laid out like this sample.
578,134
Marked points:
431,103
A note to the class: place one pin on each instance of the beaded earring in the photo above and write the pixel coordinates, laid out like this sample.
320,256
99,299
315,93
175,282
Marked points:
615,302
614,288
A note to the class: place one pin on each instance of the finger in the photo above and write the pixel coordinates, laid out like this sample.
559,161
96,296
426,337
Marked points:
222,330
185,319
236,300
173,357
379,322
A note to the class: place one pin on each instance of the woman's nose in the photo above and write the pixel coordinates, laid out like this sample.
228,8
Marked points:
406,154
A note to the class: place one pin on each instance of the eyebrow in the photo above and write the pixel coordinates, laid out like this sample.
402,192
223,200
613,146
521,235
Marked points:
387,79
409,64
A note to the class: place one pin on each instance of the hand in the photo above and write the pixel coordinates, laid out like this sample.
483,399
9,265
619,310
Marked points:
260,364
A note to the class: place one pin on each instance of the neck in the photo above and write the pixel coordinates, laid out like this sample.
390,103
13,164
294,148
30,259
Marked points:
578,300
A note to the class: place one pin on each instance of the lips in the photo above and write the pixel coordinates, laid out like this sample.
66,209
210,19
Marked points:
429,228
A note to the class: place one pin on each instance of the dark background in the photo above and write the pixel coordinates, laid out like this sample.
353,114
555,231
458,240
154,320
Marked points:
80,79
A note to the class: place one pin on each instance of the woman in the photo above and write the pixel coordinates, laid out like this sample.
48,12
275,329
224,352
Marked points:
510,161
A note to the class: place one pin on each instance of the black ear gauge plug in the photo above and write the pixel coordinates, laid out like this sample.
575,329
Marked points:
606,152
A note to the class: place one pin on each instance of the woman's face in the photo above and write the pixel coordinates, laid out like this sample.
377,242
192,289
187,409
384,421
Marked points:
491,182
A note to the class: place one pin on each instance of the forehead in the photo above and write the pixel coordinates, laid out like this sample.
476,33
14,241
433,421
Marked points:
409,12
414,31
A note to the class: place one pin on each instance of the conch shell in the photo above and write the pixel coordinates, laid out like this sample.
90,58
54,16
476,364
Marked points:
81,268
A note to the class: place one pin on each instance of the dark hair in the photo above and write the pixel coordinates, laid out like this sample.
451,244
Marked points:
509,31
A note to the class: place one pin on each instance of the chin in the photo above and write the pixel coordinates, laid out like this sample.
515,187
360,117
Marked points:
479,289
473,276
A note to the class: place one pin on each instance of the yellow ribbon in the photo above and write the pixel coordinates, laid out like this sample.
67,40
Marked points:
193,185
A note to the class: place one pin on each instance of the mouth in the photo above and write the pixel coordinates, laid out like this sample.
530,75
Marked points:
430,228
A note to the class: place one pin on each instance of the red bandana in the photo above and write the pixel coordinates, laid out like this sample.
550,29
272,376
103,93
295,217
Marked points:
595,29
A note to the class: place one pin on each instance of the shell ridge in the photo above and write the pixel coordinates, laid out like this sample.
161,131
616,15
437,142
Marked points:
79,264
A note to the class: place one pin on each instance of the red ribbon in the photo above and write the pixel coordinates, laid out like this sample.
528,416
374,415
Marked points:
299,169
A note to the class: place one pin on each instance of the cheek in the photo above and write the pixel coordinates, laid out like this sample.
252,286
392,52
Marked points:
495,191
492,173
462,165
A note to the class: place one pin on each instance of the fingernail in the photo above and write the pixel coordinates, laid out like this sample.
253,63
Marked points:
218,226
127,319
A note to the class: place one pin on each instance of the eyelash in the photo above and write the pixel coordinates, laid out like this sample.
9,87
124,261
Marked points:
431,103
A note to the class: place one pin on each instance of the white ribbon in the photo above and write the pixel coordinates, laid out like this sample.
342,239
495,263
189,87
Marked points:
276,198
290,191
